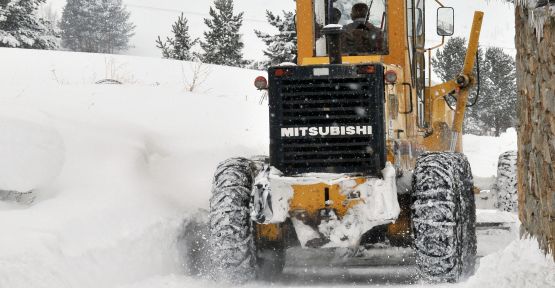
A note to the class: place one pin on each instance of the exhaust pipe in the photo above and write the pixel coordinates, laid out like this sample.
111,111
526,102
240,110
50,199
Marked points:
333,41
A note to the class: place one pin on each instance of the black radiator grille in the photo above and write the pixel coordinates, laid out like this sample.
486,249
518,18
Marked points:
326,102
324,152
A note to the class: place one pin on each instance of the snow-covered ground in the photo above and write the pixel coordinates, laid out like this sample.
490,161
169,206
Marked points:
136,160
483,152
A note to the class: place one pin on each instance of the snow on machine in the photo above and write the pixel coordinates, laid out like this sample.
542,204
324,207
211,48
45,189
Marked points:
363,152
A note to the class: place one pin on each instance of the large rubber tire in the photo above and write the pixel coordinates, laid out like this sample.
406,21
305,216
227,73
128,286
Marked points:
233,250
444,217
506,196
231,243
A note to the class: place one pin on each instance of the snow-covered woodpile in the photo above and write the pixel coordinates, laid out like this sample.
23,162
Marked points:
535,41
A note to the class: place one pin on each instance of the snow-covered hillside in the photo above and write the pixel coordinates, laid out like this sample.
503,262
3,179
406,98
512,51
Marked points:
138,158
137,161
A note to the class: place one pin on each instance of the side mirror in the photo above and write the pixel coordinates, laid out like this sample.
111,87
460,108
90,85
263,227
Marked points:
445,21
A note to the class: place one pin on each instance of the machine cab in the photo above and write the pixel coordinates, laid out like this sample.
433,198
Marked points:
373,31
386,32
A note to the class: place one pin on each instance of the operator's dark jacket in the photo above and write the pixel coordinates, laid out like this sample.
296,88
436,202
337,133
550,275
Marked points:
361,37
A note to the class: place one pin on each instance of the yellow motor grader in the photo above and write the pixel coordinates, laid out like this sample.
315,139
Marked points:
364,151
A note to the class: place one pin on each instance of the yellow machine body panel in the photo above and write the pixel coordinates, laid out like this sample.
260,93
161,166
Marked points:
310,200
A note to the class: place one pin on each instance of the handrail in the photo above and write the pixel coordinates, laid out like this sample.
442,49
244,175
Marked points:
411,103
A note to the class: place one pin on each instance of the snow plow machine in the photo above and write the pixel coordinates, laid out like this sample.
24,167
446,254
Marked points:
364,151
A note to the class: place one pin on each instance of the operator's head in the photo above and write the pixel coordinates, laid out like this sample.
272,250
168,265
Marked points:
360,10
336,16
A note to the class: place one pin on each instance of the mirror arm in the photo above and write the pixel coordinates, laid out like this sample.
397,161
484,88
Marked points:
432,48
430,59
440,4
429,68
437,46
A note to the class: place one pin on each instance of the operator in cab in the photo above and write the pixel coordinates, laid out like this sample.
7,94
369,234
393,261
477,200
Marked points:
361,36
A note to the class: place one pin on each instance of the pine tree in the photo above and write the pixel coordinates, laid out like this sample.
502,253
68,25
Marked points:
117,30
49,13
20,26
222,44
281,47
166,47
496,108
449,61
180,46
100,26
499,97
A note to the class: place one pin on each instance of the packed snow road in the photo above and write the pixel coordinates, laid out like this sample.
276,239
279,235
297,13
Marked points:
520,264
501,255
135,163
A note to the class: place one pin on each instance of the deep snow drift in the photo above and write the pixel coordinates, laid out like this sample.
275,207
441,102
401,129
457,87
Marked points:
31,147
138,160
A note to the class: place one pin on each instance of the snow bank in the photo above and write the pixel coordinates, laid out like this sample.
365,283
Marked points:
31,150
182,134
483,151
520,265
139,158
31,68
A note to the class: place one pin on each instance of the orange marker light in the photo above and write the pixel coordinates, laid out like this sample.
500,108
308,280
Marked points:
366,69
261,83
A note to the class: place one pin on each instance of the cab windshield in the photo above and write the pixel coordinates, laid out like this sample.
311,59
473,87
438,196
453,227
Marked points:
364,25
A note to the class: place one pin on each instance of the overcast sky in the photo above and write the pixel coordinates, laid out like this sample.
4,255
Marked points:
154,17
